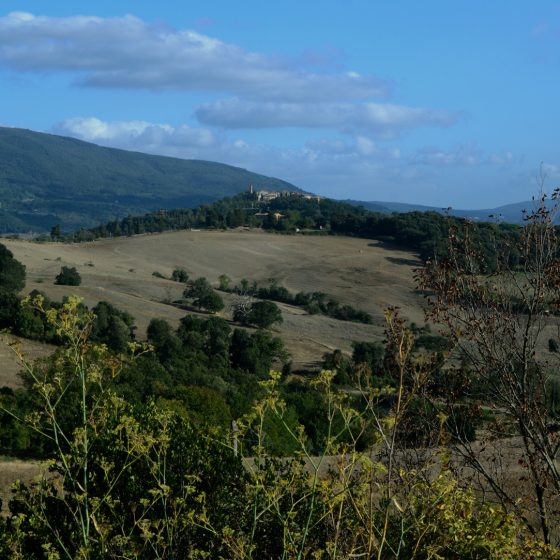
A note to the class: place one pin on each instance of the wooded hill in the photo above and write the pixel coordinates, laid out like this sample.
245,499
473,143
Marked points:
47,179
424,232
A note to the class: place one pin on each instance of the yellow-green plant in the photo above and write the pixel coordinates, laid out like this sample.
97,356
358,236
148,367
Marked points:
142,483
121,483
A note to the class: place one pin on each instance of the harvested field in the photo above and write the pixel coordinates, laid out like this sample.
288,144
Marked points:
12,470
9,363
359,272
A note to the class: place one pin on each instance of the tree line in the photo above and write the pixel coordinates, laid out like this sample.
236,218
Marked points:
423,232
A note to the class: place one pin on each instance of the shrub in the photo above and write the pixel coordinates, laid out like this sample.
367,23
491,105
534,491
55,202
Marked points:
68,276
180,275
12,272
204,297
264,314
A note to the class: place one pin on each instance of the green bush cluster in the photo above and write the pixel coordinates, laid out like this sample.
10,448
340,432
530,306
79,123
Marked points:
313,302
131,481
203,296
68,276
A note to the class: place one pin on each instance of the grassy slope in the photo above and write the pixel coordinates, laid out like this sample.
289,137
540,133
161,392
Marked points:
358,272
47,179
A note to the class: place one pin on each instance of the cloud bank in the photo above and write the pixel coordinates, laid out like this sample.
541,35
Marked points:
267,91
126,52
378,118
358,164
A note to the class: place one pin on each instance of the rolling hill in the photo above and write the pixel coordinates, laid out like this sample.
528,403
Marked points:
47,179
512,213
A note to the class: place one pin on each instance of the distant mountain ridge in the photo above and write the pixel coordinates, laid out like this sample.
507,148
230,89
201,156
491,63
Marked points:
512,213
47,179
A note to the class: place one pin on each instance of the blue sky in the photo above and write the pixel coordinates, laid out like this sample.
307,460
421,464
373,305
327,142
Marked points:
439,103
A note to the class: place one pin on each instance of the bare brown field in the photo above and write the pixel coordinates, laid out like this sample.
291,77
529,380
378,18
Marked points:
12,470
10,365
358,272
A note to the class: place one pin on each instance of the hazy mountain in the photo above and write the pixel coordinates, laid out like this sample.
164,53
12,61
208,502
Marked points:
47,179
508,213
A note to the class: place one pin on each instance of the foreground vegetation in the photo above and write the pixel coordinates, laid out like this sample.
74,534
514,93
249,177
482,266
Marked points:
365,459
143,482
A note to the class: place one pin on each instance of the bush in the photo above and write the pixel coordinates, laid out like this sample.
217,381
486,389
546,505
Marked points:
68,276
264,314
12,272
180,275
204,297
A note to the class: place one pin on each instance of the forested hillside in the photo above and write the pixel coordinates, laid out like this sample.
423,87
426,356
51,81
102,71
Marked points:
47,179
424,232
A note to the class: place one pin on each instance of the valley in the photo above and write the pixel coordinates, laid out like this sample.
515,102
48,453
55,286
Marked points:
363,273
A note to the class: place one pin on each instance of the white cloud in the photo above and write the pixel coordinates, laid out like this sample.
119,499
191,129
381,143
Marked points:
382,119
357,168
501,159
462,155
315,165
549,171
181,141
127,52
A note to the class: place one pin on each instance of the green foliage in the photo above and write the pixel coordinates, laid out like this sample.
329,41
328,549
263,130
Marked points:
141,481
211,301
180,275
9,307
443,521
225,282
336,361
203,296
48,179
369,353
314,302
433,343
263,314
68,276
112,326
12,272
30,322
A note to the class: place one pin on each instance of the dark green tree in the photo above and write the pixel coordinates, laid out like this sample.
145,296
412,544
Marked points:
369,353
68,276
12,272
264,314
203,296
210,301
180,275
55,232
113,327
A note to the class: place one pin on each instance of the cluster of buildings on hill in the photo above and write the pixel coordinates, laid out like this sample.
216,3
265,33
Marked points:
266,196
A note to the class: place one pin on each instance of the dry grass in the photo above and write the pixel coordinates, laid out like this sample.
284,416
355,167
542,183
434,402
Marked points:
358,272
12,470
9,363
